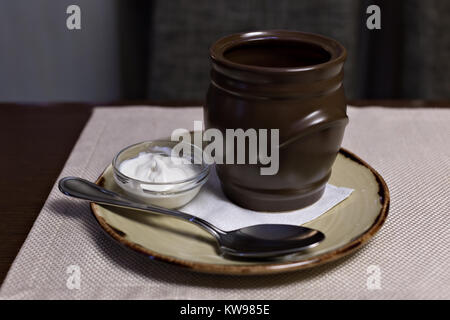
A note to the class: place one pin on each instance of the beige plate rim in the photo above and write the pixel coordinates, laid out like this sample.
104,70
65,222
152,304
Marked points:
259,269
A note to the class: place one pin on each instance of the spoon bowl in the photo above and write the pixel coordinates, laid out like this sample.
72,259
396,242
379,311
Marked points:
269,240
259,241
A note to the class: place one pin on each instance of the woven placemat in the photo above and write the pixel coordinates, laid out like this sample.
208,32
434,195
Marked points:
408,259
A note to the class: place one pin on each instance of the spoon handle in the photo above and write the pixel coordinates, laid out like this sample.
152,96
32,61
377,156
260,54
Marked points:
86,190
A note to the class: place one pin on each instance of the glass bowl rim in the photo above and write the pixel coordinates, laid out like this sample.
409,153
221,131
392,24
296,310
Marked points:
203,172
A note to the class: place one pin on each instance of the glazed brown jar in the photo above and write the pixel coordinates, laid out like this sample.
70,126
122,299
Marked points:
286,80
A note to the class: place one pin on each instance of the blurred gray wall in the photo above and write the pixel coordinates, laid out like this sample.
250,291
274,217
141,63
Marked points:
41,60
138,49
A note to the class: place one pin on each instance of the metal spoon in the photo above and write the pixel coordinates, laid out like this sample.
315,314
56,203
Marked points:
259,241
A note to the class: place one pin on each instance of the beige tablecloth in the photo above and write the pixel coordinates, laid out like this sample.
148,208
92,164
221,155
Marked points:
409,257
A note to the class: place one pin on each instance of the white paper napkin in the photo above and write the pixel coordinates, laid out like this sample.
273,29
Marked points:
213,206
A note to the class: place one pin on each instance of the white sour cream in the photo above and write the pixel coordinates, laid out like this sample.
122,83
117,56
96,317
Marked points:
158,168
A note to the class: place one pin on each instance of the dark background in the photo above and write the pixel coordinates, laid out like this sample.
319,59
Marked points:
158,50
146,51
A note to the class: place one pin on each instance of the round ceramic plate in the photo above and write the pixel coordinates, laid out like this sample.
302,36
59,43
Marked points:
347,227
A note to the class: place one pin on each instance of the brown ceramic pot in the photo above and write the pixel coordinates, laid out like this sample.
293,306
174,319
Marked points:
286,80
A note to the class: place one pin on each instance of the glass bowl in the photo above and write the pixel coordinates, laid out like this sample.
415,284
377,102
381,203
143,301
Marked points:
172,194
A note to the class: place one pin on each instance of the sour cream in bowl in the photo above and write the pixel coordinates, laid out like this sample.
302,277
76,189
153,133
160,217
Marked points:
152,173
